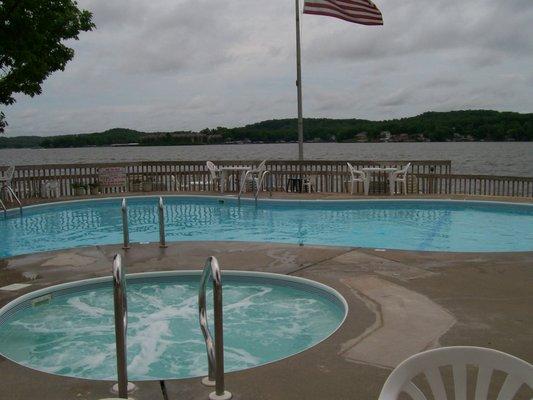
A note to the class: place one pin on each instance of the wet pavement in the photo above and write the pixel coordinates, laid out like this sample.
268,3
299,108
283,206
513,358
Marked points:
400,303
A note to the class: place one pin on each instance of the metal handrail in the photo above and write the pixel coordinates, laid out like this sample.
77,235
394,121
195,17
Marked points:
243,183
125,228
161,209
260,179
121,325
6,186
260,184
215,350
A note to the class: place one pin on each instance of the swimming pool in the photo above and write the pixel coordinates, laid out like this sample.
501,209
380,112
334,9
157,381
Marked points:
424,225
69,329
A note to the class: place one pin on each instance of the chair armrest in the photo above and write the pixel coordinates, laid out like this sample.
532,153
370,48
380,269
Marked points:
356,173
397,174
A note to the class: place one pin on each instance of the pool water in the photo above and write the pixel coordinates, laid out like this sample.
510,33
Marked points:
408,225
265,319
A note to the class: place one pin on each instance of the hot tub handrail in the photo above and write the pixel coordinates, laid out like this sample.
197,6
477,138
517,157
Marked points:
125,227
215,350
121,324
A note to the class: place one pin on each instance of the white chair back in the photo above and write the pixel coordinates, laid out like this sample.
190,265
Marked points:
354,172
8,175
262,166
212,169
405,169
518,372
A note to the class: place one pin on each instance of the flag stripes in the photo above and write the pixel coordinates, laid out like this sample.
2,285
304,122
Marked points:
359,11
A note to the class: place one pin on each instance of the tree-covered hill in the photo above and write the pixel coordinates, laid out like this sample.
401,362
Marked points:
473,125
433,126
19,142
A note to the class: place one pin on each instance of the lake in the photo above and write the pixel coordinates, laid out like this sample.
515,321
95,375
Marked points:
513,158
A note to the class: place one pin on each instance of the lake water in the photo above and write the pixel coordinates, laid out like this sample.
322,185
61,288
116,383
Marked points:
515,158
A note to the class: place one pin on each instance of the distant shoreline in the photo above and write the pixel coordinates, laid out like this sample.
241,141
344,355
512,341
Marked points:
258,143
434,127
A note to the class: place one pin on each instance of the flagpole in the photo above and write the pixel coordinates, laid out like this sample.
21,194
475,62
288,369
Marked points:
299,84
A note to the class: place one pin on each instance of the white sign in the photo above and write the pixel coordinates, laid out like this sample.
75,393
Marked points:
112,176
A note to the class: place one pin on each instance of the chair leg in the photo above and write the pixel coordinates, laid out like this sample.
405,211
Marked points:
366,184
222,178
405,186
352,187
392,186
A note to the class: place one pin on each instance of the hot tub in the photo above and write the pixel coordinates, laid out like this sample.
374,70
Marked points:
68,329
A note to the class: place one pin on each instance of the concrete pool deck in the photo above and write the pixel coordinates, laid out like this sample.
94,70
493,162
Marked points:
400,303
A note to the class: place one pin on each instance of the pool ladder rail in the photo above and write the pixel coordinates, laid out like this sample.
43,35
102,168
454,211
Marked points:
3,207
126,230
14,196
215,349
121,325
259,181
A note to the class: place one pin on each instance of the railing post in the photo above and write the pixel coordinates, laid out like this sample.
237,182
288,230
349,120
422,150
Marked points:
215,351
125,228
161,209
121,325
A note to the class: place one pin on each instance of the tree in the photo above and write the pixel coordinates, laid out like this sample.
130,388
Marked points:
31,43
3,122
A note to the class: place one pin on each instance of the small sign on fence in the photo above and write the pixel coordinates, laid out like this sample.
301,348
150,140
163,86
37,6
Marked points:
112,176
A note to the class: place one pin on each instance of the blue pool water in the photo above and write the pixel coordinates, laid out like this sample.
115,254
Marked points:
267,317
408,225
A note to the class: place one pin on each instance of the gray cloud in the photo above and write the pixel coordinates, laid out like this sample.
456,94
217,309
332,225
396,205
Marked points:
415,27
189,64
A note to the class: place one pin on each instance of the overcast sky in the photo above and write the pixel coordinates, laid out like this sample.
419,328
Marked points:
189,64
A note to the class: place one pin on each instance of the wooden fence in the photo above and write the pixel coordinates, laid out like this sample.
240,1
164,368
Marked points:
193,175
474,185
426,177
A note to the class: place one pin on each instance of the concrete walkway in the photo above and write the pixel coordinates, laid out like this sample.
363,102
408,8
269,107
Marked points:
399,312
400,303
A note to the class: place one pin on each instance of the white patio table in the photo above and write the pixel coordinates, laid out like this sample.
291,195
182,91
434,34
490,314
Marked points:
224,173
379,170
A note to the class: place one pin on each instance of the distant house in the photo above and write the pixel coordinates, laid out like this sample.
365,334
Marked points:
180,138
361,137
385,136
403,137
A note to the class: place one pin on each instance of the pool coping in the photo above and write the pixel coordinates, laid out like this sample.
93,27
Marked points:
518,201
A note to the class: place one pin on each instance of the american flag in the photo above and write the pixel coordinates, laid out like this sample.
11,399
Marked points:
359,11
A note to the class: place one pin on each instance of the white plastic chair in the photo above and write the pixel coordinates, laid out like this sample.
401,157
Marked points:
5,183
358,176
399,176
309,184
215,173
50,189
518,372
